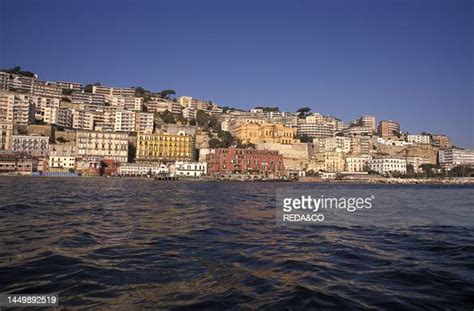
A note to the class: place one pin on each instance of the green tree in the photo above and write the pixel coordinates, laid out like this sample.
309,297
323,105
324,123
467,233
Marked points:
214,123
303,111
167,117
305,138
67,91
132,152
192,122
214,143
202,118
141,92
166,93
226,138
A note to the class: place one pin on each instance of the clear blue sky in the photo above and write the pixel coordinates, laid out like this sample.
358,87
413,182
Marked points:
408,60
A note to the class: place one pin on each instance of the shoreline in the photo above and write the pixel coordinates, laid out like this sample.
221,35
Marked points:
375,181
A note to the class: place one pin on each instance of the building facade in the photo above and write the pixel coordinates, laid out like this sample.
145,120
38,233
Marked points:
35,146
450,158
253,133
105,145
388,128
387,165
6,132
419,139
164,147
190,169
245,161
356,164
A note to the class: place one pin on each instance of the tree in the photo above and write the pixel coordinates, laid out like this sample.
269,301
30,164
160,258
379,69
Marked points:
192,122
17,70
132,152
166,93
88,87
226,138
305,138
214,123
214,143
461,171
303,111
180,118
67,91
141,92
202,118
268,109
167,117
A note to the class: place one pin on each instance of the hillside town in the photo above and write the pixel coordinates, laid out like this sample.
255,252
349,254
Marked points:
69,129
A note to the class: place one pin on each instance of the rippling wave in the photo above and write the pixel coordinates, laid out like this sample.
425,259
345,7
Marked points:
107,243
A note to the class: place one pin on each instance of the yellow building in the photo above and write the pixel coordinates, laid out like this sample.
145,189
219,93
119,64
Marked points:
253,133
165,147
331,161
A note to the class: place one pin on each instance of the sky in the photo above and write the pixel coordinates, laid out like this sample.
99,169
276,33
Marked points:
406,60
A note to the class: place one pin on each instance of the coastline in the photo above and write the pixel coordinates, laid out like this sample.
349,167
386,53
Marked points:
373,181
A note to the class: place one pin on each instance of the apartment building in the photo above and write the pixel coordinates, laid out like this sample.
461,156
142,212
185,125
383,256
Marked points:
16,108
58,116
441,141
6,132
335,143
355,130
387,165
253,133
46,89
32,145
144,122
165,147
62,156
106,145
158,104
190,169
450,158
41,103
388,128
141,169
356,164
419,139
124,121
113,91
82,120
246,161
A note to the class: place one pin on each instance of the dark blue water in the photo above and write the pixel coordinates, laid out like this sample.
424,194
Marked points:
133,244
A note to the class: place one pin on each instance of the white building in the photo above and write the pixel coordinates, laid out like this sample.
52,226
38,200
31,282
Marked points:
59,116
419,139
390,142
124,121
16,108
356,164
354,130
62,156
36,146
416,162
449,158
41,103
335,143
106,145
144,122
190,169
141,169
82,120
387,165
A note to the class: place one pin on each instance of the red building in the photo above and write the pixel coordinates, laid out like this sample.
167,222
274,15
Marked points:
245,161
